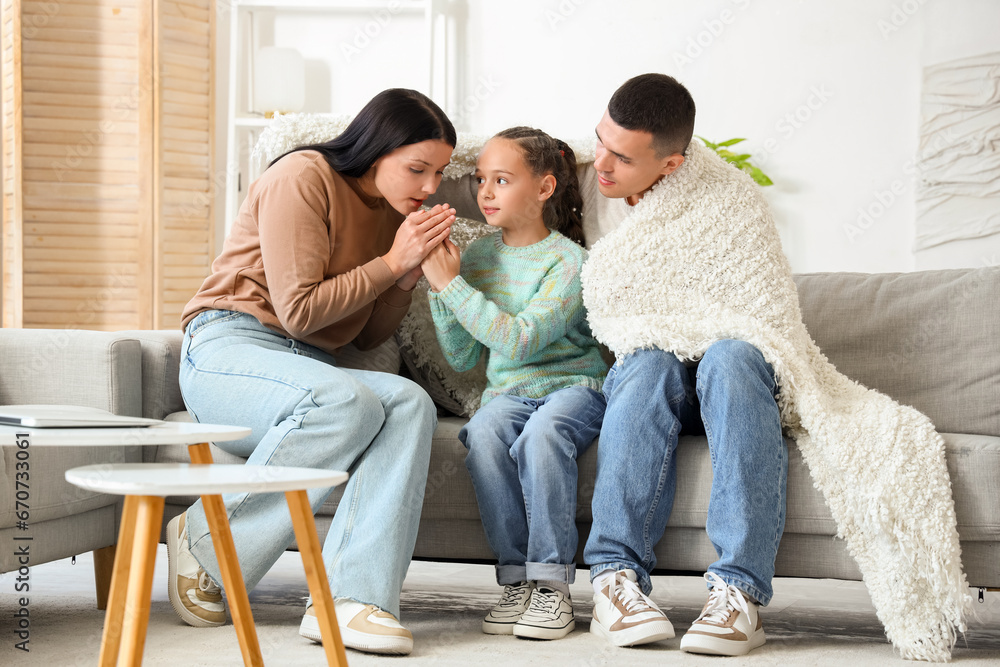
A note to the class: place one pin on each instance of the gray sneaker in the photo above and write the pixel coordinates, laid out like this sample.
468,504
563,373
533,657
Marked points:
507,612
193,594
549,616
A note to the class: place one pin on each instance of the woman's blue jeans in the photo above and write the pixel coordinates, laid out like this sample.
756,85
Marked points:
651,397
306,412
522,460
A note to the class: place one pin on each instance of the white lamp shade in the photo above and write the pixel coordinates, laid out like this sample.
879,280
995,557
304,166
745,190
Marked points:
279,81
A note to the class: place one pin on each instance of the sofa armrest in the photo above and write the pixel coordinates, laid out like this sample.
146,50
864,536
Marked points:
161,354
89,368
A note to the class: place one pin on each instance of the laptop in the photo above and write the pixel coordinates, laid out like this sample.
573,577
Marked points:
67,416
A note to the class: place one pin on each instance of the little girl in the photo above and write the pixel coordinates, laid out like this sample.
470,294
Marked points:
519,297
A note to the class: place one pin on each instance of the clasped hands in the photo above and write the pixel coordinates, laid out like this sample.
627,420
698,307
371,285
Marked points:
419,235
442,264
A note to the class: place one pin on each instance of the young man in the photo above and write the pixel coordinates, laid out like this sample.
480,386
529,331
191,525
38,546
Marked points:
729,394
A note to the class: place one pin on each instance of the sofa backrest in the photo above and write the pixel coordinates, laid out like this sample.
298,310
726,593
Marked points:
928,339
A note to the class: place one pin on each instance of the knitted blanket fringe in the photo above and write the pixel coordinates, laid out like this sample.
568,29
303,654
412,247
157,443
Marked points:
698,260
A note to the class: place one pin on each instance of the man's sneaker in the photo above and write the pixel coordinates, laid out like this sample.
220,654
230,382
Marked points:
193,594
507,612
625,616
364,627
549,616
729,624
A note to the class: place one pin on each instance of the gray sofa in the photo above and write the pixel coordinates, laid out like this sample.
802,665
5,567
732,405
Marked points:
929,339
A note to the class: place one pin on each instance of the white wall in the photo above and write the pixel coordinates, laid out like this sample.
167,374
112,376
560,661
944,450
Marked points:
827,93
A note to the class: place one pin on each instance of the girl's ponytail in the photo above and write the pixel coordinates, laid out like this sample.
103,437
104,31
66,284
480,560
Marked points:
563,211
569,203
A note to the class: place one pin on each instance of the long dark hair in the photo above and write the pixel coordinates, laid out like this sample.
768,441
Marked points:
543,154
393,118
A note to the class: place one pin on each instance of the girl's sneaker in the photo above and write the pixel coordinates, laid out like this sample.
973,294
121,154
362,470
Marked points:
507,612
549,616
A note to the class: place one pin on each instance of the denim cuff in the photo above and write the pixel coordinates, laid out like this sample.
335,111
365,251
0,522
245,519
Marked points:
511,574
565,573
645,585
763,598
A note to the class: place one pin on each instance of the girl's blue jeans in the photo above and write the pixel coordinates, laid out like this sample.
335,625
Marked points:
306,412
522,459
731,397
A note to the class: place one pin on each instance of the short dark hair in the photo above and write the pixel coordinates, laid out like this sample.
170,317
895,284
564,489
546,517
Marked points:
393,118
658,104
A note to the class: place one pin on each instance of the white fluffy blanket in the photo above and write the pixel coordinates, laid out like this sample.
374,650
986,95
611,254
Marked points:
697,260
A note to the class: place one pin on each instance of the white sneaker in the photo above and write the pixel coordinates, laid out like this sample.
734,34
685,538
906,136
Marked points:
549,616
193,594
625,616
507,612
729,624
363,627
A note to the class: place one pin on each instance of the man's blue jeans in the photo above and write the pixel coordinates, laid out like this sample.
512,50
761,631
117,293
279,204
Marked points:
522,460
651,397
306,412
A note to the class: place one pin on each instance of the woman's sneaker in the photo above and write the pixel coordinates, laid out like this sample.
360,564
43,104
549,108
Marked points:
549,615
193,594
625,616
728,625
507,612
363,627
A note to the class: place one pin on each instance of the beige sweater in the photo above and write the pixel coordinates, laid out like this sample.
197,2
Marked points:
304,258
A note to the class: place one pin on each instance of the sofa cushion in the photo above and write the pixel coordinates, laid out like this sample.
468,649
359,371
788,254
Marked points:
973,463
927,339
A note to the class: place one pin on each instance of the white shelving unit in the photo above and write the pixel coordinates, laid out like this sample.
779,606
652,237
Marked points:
245,124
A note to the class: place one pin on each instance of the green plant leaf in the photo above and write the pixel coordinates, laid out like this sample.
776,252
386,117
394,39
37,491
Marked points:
708,143
759,177
731,142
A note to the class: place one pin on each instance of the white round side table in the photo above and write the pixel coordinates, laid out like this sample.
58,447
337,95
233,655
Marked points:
145,485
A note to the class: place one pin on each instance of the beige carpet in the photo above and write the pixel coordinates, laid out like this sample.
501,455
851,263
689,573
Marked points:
821,622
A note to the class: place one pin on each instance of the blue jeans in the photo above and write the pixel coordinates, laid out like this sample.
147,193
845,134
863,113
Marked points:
304,411
651,397
522,459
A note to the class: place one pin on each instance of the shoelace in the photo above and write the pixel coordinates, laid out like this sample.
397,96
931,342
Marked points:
630,595
543,602
722,601
206,584
511,595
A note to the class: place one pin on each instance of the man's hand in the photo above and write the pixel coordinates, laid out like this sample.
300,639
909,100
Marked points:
442,264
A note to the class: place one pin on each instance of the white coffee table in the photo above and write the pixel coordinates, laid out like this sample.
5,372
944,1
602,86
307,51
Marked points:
142,515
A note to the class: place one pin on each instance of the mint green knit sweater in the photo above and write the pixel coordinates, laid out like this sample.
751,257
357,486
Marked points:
525,306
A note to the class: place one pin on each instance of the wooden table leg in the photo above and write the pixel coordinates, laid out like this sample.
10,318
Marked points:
232,579
149,517
319,585
200,453
113,617
232,575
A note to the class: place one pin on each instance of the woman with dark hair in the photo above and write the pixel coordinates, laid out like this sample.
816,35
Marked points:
324,252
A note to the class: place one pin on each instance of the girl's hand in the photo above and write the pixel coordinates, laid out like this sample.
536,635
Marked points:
417,235
442,265
409,280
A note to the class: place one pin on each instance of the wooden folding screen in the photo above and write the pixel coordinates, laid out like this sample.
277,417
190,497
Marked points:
107,173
